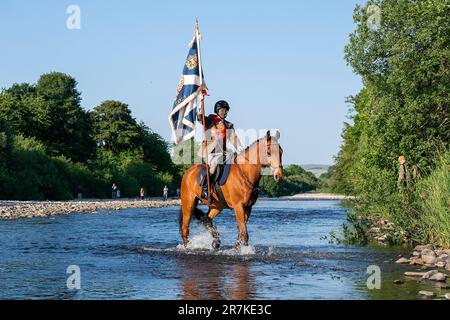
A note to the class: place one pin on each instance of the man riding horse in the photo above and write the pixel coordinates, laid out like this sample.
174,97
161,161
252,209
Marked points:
218,131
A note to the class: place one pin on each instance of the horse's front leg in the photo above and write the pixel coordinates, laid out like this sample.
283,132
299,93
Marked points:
241,219
212,229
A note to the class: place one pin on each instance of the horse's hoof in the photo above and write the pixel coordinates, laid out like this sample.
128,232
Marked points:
236,245
216,244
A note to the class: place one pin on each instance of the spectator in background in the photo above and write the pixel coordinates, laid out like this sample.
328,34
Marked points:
165,192
407,175
142,193
114,190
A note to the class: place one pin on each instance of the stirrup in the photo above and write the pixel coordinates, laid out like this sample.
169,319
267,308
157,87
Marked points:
204,193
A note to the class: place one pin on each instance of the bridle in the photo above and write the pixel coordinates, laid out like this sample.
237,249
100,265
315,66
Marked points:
264,164
269,154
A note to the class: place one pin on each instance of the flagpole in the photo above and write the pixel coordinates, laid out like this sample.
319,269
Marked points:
202,106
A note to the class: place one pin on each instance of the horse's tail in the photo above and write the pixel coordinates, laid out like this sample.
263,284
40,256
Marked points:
198,214
180,218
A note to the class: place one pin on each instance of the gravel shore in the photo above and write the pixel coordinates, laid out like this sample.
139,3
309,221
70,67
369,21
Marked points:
318,196
30,209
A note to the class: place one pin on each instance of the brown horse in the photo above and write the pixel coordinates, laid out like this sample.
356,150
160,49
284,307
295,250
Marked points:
239,190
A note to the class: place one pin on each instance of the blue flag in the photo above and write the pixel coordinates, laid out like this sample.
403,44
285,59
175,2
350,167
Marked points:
188,97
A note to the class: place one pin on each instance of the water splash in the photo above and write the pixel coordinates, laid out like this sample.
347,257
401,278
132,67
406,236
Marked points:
239,251
201,241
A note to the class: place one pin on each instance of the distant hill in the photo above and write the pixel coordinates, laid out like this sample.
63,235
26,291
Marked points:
316,169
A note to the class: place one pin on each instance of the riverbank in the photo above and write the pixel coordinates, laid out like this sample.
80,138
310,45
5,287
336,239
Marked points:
31,209
317,196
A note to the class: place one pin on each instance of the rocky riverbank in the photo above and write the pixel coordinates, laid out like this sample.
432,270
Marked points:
30,209
429,264
426,263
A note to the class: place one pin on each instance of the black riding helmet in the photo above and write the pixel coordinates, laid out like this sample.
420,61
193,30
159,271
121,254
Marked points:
221,104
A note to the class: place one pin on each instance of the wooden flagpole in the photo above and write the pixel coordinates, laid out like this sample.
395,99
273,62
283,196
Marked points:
202,106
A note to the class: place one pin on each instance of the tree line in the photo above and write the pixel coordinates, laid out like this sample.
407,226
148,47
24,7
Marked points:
403,109
51,148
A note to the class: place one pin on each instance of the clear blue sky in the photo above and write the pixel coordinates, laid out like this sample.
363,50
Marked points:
278,63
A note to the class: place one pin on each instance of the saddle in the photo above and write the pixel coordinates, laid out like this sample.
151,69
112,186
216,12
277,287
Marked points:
219,178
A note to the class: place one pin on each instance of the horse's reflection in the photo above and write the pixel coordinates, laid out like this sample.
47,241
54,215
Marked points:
215,280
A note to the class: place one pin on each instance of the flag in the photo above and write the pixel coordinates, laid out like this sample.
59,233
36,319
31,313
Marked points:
189,94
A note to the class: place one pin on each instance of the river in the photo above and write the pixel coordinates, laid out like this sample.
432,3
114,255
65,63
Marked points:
136,254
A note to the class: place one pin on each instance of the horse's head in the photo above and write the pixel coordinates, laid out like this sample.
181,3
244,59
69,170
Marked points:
273,155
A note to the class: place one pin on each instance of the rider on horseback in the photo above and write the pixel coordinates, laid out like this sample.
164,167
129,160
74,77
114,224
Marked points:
218,131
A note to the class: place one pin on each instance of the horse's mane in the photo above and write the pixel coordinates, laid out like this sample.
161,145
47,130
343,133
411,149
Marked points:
255,142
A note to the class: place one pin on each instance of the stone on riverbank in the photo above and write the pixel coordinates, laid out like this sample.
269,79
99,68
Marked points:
423,247
428,256
434,275
426,294
402,261
416,261
415,274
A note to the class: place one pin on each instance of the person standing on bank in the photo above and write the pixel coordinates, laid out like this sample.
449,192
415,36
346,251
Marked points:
165,192
114,191
407,174
142,193
218,132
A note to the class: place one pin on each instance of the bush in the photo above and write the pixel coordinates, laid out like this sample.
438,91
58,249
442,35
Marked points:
434,201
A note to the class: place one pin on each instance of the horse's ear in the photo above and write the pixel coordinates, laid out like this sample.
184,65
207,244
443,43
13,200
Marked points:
277,135
268,135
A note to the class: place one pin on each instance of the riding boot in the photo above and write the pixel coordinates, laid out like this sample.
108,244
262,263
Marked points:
204,194
204,191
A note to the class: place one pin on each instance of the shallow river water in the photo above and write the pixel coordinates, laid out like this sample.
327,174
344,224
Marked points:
137,254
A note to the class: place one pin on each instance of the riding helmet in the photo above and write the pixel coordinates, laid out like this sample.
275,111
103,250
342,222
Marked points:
221,104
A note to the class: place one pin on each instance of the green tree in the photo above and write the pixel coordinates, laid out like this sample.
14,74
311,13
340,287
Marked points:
115,130
296,180
402,109
16,107
404,65
67,127
6,142
155,150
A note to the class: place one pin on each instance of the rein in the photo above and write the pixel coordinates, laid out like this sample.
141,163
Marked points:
246,179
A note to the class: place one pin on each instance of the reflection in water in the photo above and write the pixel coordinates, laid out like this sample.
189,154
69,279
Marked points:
211,279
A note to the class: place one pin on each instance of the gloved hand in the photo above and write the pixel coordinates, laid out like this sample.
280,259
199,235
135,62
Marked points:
240,150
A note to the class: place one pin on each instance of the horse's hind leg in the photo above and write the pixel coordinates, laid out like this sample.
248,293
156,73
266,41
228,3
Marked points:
241,219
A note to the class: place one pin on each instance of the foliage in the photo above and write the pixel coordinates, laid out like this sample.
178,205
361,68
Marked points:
50,111
403,109
434,202
296,180
48,149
